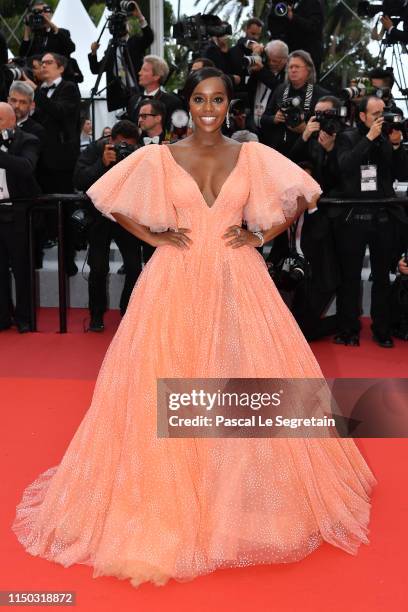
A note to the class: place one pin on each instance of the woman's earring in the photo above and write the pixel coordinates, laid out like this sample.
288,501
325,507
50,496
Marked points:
190,120
227,118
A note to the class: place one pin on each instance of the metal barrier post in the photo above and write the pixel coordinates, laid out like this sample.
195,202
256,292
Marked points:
62,279
33,280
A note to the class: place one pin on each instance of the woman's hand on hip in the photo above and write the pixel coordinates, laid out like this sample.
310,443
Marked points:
175,238
240,237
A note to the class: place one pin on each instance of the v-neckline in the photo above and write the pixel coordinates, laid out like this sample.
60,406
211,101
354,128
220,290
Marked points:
195,182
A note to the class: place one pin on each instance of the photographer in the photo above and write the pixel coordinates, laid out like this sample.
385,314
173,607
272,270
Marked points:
383,81
218,51
301,27
265,78
252,33
400,8
93,162
370,158
121,68
292,104
41,35
313,296
18,158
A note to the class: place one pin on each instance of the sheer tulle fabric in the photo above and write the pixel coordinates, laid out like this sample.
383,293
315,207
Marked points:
144,508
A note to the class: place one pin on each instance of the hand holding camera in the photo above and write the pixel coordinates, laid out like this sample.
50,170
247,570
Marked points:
376,129
311,128
109,155
326,141
279,117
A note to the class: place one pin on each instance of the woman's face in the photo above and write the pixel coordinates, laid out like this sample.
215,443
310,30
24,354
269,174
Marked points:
209,104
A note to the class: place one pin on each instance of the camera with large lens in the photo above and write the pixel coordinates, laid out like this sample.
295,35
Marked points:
121,5
394,121
195,31
7,137
117,22
388,7
293,110
17,69
252,58
288,273
331,120
35,20
123,150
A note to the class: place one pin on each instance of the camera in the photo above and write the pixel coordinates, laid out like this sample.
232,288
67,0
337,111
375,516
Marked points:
331,120
7,137
35,19
195,31
18,68
250,60
123,150
388,7
280,9
289,272
293,111
393,121
121,5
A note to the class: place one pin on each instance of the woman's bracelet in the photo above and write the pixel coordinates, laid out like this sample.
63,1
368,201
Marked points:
260,236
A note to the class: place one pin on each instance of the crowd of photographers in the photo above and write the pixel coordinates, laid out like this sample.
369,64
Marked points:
351,143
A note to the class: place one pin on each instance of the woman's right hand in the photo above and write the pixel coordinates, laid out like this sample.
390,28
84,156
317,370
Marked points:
175,238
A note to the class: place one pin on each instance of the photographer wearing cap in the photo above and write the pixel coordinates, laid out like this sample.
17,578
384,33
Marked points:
92,163
370,158
18,158
300,24
41,35
292,104
121,67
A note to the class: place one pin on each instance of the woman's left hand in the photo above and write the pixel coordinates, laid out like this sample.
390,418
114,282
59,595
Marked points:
240,237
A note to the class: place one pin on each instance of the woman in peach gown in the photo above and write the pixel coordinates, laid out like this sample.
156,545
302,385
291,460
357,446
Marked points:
136,506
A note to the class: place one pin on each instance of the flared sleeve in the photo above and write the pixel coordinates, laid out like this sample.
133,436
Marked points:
278,189
135,187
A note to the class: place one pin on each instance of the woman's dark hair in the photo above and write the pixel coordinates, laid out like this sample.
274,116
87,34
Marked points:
197,76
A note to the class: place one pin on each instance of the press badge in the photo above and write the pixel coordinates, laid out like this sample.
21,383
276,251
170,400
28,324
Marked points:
368,178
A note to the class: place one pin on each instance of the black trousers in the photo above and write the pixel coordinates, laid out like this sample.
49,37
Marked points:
308,308
351,239
101,233
14,254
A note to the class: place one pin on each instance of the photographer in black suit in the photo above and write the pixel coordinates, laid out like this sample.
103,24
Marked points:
369,161
18,159
45,36
300,28
93,162
57,109
316,147
119,79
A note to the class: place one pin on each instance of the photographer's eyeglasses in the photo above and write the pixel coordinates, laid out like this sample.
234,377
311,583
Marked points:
145,115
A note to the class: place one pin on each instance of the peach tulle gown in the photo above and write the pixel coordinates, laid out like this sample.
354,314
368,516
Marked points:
148,509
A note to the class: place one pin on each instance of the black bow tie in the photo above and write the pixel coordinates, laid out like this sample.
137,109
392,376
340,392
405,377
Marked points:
47,89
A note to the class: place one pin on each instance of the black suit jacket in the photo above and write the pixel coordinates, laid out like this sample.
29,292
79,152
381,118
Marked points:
20,163
116,95
38,45
29,126
59,115
354,149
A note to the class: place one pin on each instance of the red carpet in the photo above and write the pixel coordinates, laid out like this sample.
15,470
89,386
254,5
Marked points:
47,381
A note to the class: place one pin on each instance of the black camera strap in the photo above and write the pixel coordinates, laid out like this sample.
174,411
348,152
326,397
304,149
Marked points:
308,96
